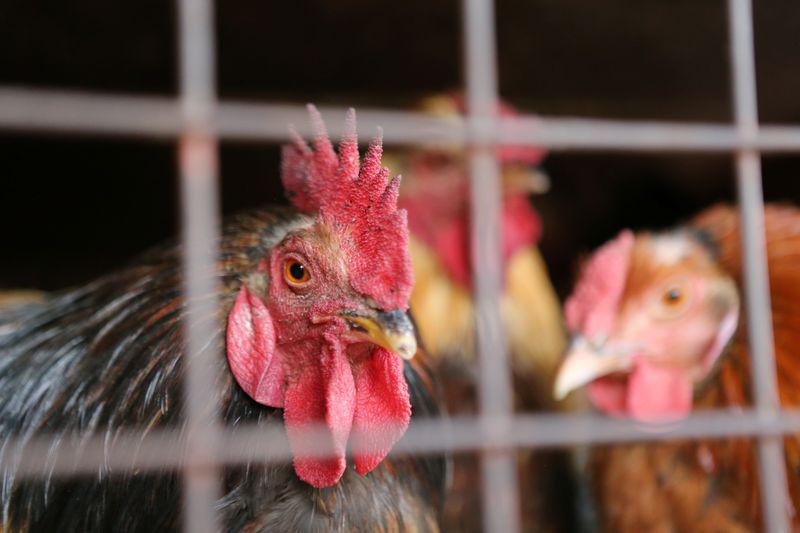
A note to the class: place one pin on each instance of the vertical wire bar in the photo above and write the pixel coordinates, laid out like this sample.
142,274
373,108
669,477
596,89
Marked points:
774,496
498,468
200,222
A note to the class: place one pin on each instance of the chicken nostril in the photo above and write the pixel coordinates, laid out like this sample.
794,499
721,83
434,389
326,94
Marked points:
356,327
406,351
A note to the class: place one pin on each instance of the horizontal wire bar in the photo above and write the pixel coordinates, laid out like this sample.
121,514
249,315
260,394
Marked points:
40,110
164,449
81,112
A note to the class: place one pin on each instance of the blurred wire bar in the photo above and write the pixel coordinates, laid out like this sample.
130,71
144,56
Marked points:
499,486
38,110
200,225
774,491
163,449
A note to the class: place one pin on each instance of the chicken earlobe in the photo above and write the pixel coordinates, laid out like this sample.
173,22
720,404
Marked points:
251,350
727,328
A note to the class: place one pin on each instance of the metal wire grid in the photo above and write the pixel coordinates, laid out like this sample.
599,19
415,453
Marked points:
199,120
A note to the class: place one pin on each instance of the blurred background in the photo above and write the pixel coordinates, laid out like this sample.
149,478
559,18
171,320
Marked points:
72,207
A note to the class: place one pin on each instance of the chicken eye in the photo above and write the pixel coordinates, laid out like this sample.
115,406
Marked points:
295,272
673,297
672,300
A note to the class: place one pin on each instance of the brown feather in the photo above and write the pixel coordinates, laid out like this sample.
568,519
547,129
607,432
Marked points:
13,298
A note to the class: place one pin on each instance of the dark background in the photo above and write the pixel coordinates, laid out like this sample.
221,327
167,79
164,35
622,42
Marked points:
72,207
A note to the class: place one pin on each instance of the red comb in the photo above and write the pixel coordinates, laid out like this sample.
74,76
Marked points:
591,308
355,197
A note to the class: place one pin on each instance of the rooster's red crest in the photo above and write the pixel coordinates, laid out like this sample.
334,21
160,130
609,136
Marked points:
357,198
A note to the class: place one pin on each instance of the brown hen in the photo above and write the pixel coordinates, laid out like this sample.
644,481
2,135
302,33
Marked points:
706,485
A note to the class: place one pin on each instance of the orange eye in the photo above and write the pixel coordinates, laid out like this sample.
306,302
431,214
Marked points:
295,272
673,297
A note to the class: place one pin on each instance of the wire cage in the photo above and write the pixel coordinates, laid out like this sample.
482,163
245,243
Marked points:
198,120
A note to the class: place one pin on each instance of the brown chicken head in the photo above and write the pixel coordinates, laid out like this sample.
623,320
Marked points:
650,316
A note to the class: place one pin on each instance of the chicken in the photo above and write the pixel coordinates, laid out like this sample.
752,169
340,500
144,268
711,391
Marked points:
313,322
658,334
436,194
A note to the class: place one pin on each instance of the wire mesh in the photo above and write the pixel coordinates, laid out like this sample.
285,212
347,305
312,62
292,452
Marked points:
160,449
198,169
161,118
774,495
198,119
498,467
200,208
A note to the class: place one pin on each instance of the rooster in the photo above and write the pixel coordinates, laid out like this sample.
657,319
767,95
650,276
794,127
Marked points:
313,300
655,319
436,194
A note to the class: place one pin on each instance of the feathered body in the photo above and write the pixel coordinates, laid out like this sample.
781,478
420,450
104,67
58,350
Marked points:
109,357
19,297
436,195
710,485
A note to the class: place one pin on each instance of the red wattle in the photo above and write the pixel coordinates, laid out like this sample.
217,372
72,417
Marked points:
608,394
324,397
651,393
658,393
304,415
383,409
318,415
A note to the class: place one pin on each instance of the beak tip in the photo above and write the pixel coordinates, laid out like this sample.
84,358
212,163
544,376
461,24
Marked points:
391,330
560,391
406,351
583,365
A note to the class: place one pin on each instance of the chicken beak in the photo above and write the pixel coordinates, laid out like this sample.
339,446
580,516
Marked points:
392,330
585,363
519,177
